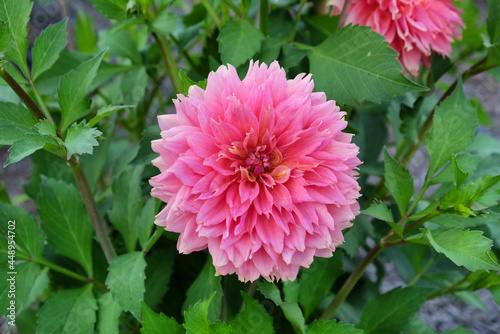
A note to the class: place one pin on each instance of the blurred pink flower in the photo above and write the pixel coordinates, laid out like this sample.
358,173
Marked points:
258,171
412,27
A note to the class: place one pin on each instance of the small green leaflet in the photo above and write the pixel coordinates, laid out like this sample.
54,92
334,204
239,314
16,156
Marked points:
29,237
254,318
15,122
455,121
24,147
323,327
291,310
68,312
108,315
398,305
112,9
197,320
65,221
127,204
48,47
72,91
80,139
85,37
5,40
238,42
382,212
16,14
126,281
354,64
105,111
154,323
466,248
493,21
399,182
460,175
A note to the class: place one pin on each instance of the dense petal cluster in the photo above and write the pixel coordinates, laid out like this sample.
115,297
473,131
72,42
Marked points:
412,27
258,171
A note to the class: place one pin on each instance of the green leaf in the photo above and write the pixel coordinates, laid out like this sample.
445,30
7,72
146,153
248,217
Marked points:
145,222
460,175
68,312
291,310
15,122
379,211
85,37
382,212
65,221
112,9
495,292
133,86
467,162
292,55
317,280
294,314
17,13
253,319
154,323
322,327
46,128
291,291
270,291
72,91
80,139
466,248
127,203
202,288
121,44
48,46
354,64
105,111
109,313
126,281
160,264
399,306
493,21
30,283
5,39
455,121
197,319
164,23
459,330
238,42
399,182
24,147
28,236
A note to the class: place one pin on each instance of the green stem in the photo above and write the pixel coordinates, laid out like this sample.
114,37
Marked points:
449,289
152,241
99,225
21,93
350,283
211,12
297,20
264,16
343,14
62,270
170,64
41,103
419,275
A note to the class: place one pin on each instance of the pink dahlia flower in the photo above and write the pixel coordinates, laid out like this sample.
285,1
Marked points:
412,27
258,171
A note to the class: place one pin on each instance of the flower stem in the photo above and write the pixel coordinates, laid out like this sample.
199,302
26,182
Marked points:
41,103
170,64
264,16
99,225
297,20
343,14
350,283
211,12
154,238
21,93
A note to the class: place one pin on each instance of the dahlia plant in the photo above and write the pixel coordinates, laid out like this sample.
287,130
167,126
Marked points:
243,166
